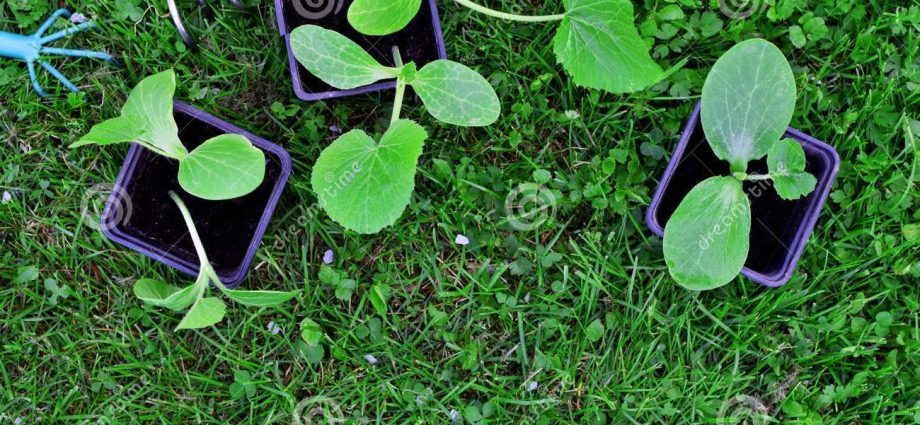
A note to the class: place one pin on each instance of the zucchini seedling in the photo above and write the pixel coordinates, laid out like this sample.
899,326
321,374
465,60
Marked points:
596,42
225,167
205,310
365,185
747,105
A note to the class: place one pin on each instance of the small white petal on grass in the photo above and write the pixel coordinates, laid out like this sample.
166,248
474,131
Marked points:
7,197
328,257
532,386
370,359
462,240
17,421
78,18
273,328
454,415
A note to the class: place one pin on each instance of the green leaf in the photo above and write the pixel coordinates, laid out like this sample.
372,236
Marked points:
365,186
748,102
335,59
165,295
786,161
205,312
260,298
379,295
25,274
599,45
595,330
225,167
382,17
123,129
456,94
311,332
152,101
706,241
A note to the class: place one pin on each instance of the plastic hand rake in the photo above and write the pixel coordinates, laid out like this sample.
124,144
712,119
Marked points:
32,48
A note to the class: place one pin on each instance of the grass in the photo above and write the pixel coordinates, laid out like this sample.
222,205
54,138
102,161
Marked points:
575,322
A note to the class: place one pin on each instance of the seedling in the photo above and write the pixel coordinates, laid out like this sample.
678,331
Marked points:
365,185
597,41
205,310
225,167
747,105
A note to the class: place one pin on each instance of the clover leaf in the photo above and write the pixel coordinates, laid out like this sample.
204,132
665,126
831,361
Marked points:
224,167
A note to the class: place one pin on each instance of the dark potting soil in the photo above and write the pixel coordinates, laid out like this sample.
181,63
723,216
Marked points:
226,227
417,42
775,222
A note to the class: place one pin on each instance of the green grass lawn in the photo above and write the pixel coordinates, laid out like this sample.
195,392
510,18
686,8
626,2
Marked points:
577,321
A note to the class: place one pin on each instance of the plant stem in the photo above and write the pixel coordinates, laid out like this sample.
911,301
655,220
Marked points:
509,16
400,87
199,247
758,177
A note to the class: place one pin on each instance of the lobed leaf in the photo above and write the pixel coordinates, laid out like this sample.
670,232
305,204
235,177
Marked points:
205,312
382,17
706,240
748,102
152,102
335,59
366,186
599,46
164,295
456,94
786,162
225,167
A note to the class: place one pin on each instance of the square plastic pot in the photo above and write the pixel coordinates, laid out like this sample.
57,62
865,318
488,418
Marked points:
779,229
421,42
140,215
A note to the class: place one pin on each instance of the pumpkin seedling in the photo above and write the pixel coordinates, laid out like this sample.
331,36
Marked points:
205,310
225,167
597,42
365,185
747,105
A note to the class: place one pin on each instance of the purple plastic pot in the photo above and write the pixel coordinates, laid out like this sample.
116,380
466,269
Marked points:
421,42
140,214
779,229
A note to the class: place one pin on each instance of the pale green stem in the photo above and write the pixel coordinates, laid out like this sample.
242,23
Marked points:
400,87
757,177
509,16
206,268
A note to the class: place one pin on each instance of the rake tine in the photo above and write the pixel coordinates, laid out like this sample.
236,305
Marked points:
80,54
57,74
34,78
57,14
69,31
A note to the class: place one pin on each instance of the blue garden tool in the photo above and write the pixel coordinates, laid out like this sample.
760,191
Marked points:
31,49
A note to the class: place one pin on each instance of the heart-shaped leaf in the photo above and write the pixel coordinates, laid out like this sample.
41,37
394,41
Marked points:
164,295
382,17
599,46
365,186
225,167
706,241
786,161
152,101
456,94
748,102
205,312
260,298
311,332
335,59
123,129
